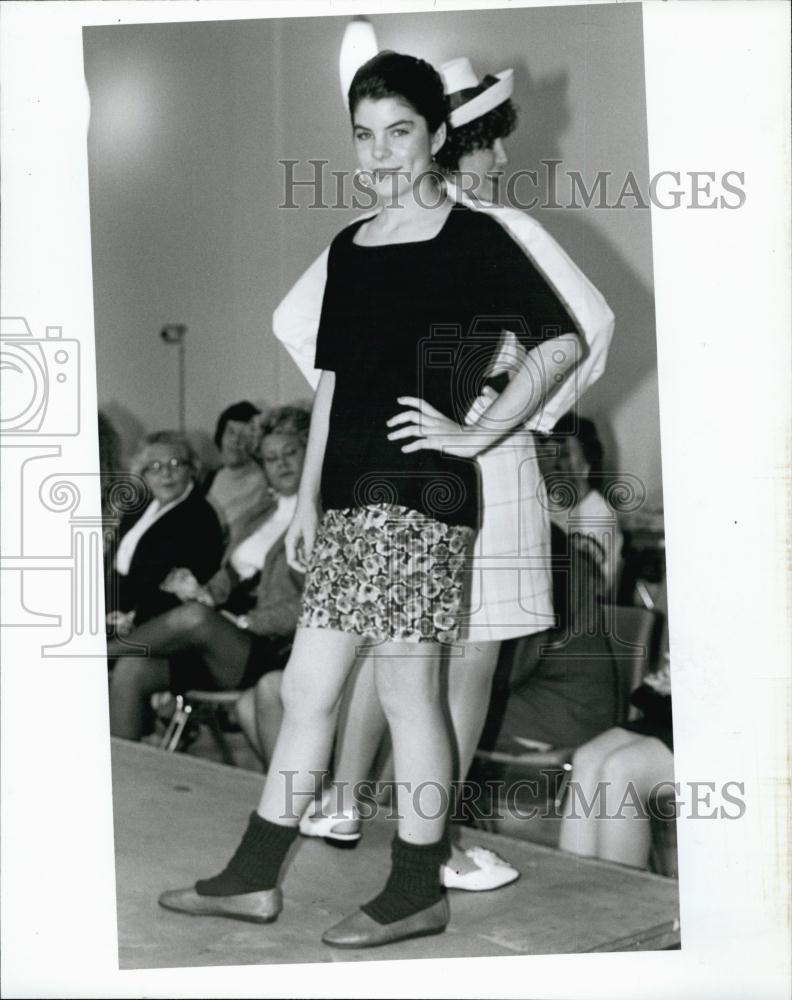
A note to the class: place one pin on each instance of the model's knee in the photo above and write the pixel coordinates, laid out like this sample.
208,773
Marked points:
304,700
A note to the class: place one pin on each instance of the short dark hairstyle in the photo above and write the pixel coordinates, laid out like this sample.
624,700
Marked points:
242,412
391,74
585,432
287,420
481,133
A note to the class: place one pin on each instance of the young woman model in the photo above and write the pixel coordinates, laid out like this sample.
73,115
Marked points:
506,603
399,492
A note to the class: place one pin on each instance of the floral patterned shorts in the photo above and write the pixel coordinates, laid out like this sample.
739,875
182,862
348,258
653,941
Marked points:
386,572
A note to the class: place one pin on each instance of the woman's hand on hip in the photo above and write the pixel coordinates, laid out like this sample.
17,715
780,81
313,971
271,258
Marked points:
300,536
430,429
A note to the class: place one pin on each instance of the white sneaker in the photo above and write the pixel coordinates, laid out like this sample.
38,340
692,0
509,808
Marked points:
491,872
322,824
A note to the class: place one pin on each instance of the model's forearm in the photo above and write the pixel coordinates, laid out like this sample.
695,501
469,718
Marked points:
522,399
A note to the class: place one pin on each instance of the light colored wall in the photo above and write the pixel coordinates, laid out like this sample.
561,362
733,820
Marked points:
188,123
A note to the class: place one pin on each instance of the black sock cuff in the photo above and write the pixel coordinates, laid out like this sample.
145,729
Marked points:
405,852
263,833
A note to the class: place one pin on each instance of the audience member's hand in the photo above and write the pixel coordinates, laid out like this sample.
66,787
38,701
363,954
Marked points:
660,679
182,583
120,622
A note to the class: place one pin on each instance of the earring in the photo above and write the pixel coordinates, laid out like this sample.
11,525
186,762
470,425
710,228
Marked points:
439,177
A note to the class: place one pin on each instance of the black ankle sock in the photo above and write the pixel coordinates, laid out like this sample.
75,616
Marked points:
256,863
413,883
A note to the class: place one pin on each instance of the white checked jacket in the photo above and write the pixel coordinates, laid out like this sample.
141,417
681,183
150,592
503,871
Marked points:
510,591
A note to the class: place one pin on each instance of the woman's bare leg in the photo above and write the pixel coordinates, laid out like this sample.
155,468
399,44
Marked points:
469,688
362,727
409,687
313,683
259,712
245,711
269,711
630,773
364,723
133,680
580,832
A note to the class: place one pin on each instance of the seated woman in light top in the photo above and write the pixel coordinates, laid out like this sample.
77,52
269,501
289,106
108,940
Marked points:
224,636
238,490
577,464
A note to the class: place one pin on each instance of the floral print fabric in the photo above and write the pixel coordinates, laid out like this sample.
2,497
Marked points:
386,572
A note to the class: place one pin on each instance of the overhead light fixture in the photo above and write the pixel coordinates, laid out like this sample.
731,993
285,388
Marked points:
359,45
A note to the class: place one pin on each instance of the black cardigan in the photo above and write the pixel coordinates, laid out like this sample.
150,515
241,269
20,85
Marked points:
188,535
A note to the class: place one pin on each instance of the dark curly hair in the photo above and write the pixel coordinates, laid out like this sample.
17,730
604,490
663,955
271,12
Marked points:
391,74
478,134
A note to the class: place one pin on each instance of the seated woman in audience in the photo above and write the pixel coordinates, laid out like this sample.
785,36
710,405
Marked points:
177,528
618,771
576,467
202,643
557,688
238,490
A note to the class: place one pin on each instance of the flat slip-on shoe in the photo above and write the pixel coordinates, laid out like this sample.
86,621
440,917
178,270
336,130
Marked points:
256,907
359,930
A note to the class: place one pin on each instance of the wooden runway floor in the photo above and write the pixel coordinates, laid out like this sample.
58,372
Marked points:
178,818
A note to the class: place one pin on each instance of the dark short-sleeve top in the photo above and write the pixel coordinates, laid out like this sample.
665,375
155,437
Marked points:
420,319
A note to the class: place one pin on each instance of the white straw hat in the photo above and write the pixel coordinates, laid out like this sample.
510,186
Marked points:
467,97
